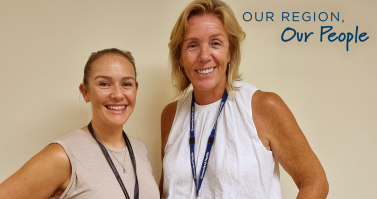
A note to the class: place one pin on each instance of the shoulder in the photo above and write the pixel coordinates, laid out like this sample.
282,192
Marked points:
266,103
60,150
169,111
139,144
242,91
271,115
167,118
55,151
277,127
53,162
46,172
77,136
56,155
135,140
244,85
78,142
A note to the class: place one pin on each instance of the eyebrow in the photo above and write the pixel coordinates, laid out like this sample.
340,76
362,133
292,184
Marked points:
107,77
194,38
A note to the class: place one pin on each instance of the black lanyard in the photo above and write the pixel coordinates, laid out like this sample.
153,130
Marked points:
211,139
112,166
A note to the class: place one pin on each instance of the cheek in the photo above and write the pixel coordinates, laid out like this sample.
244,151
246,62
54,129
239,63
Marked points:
131,96
225,57
187,57
187,53
100,95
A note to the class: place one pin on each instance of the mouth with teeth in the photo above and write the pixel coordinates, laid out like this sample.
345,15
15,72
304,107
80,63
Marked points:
206,71
116,108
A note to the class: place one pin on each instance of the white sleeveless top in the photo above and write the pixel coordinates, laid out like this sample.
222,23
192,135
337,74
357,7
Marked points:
239,165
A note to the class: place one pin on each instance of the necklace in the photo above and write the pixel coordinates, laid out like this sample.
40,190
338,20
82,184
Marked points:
111,164
125,148
124,170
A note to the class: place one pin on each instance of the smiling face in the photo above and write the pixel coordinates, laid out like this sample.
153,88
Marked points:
111,90
205,53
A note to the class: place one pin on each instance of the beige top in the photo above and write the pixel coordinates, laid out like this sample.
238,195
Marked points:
92,176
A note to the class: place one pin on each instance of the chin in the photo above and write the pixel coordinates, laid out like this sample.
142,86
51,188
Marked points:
205,85
117,121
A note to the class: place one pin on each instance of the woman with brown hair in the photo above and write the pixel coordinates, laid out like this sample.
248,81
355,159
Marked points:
99,160
225,138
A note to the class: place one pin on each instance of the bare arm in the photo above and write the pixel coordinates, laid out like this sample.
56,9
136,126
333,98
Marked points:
167,118
47,173
278,130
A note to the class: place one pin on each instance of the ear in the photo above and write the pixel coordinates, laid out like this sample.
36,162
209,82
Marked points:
85,92
137,85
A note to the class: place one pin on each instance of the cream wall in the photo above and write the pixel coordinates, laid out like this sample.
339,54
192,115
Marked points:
44,46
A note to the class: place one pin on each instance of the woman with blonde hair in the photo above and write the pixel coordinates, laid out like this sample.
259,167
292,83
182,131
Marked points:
225,138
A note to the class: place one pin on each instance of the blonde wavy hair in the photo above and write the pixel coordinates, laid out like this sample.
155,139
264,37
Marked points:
235,33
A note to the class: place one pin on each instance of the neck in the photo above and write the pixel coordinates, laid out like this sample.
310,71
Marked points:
204,97
108,135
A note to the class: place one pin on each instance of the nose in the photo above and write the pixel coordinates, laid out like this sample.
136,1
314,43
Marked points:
205,54
117,93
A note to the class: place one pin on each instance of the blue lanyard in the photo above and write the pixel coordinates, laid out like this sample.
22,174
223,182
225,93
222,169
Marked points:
211,139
